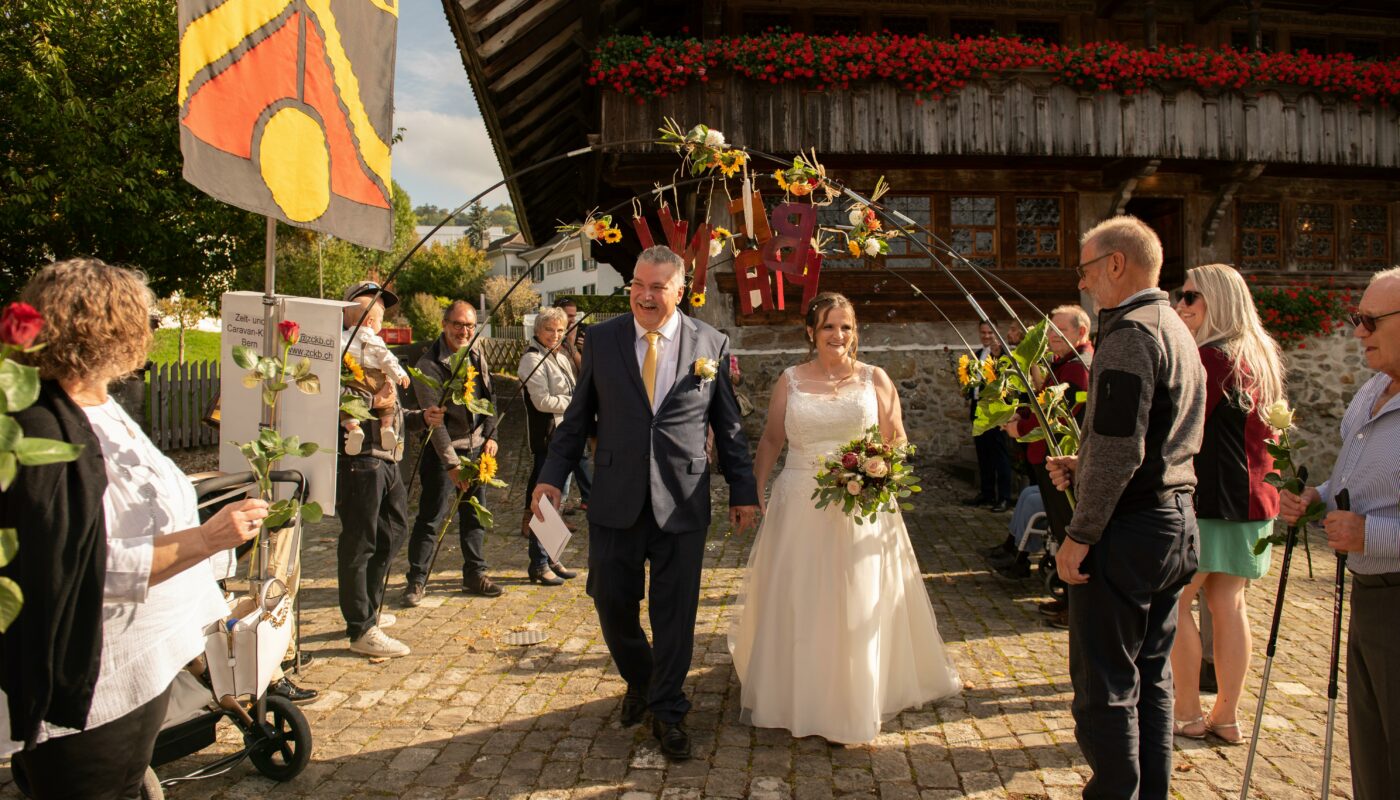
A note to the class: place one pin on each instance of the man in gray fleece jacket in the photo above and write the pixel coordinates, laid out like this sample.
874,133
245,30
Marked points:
1131,546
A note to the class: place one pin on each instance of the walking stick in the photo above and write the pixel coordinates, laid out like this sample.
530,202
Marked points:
1272,647
1343,504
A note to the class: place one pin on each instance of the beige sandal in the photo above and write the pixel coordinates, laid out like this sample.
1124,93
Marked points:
1214,729
1185,728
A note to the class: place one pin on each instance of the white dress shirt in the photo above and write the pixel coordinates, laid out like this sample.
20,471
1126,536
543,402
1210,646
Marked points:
668,348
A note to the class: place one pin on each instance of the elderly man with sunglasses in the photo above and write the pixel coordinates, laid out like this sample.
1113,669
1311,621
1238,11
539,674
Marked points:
1368,467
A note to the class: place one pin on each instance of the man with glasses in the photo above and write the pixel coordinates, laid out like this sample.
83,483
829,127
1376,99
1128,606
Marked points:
1368,467
1131,545
464,435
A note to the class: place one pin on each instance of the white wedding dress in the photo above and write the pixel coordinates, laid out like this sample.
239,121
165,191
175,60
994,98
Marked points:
836,634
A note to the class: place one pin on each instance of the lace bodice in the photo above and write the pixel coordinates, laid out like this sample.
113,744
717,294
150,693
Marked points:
818,420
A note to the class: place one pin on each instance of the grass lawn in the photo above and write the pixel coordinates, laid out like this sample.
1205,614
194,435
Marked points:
199,346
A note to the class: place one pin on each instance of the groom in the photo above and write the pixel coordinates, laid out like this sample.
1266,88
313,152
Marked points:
645,389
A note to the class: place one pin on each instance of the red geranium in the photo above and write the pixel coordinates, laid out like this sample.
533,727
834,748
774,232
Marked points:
291,332
20,325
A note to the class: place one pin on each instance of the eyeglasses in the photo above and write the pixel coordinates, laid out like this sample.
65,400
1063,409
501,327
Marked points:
1368,321
461,326
1079,268
1190,297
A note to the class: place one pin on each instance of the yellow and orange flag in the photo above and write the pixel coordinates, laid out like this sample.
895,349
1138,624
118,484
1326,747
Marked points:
286,110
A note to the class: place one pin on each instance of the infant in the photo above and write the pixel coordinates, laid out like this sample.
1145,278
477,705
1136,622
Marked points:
381,371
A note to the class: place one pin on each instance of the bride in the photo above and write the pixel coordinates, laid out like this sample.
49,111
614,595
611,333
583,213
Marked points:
836,634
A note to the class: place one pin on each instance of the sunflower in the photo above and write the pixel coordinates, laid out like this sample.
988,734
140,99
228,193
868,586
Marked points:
356,370
486,467
989,369
697,300
782,182
720,234
964,374
612,235
469,385
731,166
854,247
1041,399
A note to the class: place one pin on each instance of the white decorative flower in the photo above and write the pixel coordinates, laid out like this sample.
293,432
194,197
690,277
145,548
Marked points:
1279,415
872,246
857,215
714,138
716,247
705,369
853,487
876,467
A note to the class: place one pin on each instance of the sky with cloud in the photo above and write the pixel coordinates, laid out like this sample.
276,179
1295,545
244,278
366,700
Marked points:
446,156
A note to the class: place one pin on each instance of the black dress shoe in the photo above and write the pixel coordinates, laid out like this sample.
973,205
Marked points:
303,659
1003,560
976,500
285,688
634,707
1007,547
545,576
1001,507
675,742
1017,570
562,571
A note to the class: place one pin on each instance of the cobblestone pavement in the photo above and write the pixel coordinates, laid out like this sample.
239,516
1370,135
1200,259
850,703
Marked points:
467,715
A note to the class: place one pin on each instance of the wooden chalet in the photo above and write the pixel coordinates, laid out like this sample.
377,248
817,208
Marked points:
1286,182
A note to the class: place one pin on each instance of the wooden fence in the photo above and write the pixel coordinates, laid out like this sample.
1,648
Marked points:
503,354
179,394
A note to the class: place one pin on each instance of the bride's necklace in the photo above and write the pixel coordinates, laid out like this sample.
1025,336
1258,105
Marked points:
833,377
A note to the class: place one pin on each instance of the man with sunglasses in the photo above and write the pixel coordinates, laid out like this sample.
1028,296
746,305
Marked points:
1130,546
1368,467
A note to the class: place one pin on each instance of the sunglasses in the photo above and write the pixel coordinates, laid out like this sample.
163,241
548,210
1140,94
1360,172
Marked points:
1079,268
1190,297
1368,321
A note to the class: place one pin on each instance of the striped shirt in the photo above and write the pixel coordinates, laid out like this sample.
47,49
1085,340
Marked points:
1369,468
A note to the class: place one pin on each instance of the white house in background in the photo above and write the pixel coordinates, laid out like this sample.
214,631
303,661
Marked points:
450,234
562,271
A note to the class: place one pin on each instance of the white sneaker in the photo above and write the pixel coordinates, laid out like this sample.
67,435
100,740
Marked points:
379,644
354,441
386,619
388,440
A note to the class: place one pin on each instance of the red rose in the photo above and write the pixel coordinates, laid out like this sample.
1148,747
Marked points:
291,332
20,324
850,460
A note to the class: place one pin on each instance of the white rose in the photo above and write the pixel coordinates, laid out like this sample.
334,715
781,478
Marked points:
876,467
857,215
853,487
714,138
872,246
716,247
1279,415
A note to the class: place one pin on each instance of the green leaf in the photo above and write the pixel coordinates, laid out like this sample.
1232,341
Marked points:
906,506
309,384
251,380
9,545
307,448
311,512
278,518
481,406
33,452
300,369
268,396
991,413
244,357
1276,450
1081,397
10,434
11,600
1036,435
417,375
483,516
9,469
355,406
269,438
1032,347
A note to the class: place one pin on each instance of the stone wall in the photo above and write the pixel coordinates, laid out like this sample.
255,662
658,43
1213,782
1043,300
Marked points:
1323,377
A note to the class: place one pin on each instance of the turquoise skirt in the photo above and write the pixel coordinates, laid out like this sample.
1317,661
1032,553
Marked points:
1228,547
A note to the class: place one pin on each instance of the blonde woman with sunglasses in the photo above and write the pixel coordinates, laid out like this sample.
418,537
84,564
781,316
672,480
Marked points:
1234,506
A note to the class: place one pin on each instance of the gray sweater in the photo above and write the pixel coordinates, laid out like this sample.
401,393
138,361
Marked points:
1147,406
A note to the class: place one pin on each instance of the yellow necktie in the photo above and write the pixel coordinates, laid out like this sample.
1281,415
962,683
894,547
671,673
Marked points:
649,366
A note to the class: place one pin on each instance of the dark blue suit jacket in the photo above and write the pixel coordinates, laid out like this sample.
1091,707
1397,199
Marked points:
658,457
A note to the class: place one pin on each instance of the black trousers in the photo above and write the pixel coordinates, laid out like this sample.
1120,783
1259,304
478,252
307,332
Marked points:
1373,691
373,508
616,581
1121,627
438,493
1057,510
993,466
102,763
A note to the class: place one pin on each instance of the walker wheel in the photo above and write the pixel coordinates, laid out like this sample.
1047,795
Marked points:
283,746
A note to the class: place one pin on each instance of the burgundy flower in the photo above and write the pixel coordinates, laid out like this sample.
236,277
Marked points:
850,460
290,331
20,324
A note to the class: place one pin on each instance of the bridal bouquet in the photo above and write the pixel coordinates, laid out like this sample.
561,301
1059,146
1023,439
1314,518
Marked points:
866,476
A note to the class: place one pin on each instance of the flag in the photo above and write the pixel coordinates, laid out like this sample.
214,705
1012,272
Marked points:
286,110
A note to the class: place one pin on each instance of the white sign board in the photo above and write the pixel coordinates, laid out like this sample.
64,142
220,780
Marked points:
312,417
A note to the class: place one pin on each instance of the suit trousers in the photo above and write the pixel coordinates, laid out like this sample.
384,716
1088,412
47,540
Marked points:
1373,691
1121,626
433,504
373,510
616,581
993,466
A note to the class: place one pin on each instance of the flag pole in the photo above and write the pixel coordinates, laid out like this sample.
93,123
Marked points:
269,349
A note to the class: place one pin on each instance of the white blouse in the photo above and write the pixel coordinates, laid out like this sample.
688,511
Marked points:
149,632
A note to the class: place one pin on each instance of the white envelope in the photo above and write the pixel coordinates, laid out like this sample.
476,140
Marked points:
551,531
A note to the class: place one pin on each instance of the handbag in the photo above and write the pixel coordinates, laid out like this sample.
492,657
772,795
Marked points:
245,649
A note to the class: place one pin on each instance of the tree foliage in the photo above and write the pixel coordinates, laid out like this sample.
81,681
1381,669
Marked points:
424,314
90,150
455,271
478,225
521,301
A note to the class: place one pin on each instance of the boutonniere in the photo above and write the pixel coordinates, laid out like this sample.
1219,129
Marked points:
705,369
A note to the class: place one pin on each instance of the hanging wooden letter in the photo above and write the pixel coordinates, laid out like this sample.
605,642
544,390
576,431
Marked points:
789,253
751,277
